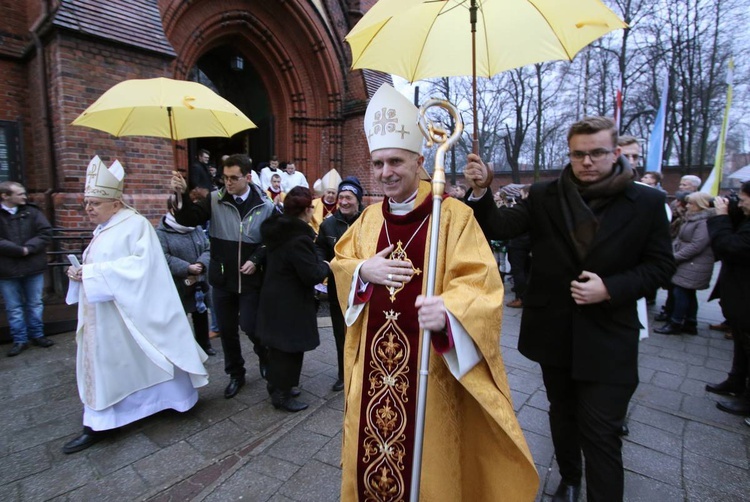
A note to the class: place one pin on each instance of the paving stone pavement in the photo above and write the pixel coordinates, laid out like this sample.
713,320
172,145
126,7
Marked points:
680,447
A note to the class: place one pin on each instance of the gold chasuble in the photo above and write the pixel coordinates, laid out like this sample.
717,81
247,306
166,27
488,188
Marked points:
474,448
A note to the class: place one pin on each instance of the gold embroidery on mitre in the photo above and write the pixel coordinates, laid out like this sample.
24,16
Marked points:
400,254
384,122
386,420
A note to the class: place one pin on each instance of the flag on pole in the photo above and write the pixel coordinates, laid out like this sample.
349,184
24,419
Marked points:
618,103
656,139
713,183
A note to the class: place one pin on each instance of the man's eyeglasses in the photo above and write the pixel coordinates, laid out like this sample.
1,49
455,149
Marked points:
95,203
632,157
596,154
233,179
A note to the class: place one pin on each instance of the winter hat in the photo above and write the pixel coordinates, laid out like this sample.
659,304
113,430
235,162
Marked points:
352,184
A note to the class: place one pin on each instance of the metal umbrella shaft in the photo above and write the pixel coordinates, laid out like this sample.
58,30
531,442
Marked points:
434,135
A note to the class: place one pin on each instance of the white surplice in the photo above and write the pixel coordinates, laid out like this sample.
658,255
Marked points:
136,351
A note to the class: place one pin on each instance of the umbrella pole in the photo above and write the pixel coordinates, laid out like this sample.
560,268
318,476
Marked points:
174,202
473,20
475,139
440,136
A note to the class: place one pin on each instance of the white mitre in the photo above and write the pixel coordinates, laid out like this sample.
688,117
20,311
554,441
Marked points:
391,122
102,181
330,180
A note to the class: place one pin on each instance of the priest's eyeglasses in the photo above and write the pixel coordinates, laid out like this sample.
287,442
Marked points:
596,154
95,203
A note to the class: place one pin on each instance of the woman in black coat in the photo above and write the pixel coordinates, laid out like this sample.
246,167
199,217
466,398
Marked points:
287,320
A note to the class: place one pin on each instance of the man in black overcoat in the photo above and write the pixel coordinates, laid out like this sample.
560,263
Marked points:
599,241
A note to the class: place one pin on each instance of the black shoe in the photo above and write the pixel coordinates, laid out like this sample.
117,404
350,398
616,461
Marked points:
42,341
88,438
690,328
661,317
209,351
671,328
234,387
566,493
295,392
737,407
284,401
624,430
726,388
17,348
338,386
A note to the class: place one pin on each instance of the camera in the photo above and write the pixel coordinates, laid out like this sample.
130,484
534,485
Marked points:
733,208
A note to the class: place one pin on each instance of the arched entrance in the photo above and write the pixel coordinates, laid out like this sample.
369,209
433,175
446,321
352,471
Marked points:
292,81
229,73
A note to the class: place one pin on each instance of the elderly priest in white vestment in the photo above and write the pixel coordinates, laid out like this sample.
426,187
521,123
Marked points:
136,352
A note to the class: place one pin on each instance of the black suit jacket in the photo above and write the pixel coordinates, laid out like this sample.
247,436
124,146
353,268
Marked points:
631,252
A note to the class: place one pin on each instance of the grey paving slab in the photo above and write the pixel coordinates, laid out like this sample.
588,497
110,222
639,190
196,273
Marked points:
650,393
651,463
124,484
314,482
326,421
728,479
657,418
298,446
715,443
59,480
246,485
169,464
129,450
217,439
330,453
24,464
273,467
656,439
640,488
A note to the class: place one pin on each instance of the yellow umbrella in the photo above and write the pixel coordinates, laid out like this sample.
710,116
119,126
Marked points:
165,108
419,39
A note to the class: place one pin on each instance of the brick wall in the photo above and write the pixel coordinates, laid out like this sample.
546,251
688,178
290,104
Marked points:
81,71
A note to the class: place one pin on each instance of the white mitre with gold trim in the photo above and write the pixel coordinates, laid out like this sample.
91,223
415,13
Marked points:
102,181
391,122
330,180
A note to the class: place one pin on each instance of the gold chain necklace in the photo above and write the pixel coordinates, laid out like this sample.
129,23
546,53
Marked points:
400,254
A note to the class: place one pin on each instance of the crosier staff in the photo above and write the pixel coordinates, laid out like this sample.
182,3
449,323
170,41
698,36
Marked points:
434,135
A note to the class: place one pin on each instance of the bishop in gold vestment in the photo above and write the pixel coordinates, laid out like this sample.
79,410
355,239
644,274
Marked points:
474,448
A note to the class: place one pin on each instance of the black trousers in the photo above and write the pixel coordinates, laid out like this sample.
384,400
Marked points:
588,416
200,329
519,258
339,329
284,369
233,309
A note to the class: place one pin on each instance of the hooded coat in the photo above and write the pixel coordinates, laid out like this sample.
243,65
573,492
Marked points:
287,314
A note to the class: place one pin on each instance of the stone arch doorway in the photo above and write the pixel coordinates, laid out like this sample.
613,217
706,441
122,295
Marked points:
232,75
297,58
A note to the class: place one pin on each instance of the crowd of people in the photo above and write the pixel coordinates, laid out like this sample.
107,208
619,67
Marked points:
586,252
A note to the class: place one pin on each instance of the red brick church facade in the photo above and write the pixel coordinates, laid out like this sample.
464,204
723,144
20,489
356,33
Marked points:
283,62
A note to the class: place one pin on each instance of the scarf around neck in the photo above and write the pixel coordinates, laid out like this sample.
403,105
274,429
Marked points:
583,206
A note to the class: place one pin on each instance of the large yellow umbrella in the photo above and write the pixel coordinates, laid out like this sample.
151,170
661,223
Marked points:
419,39
164,108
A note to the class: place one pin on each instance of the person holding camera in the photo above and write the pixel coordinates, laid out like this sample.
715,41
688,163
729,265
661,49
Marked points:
730,239
188,255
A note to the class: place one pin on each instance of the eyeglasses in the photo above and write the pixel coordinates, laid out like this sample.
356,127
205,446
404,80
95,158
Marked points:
233,179
596,154
95,203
